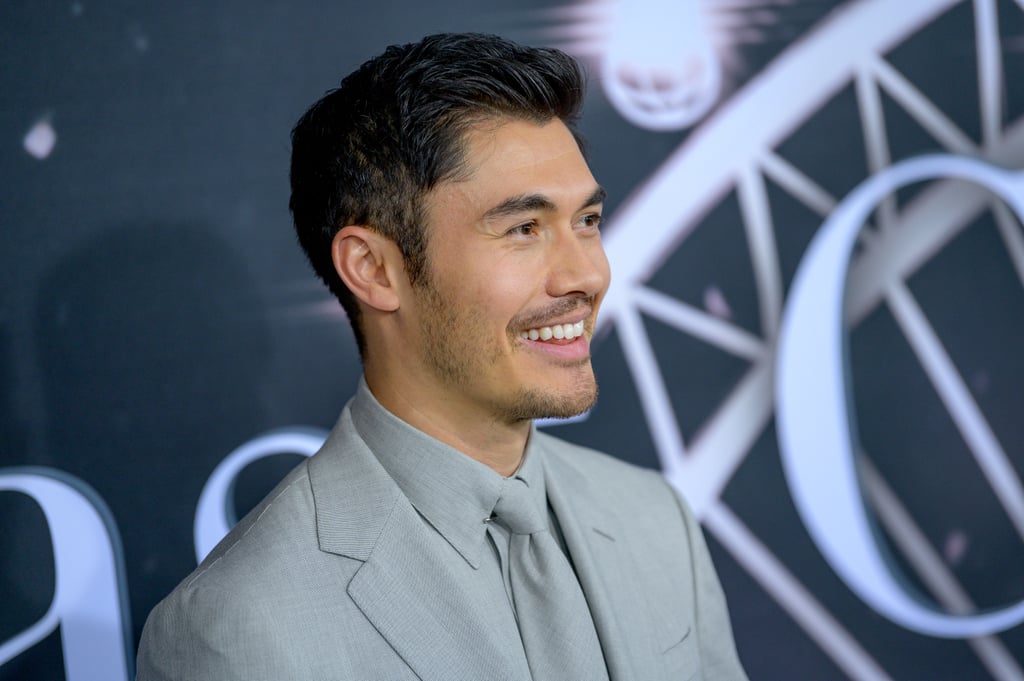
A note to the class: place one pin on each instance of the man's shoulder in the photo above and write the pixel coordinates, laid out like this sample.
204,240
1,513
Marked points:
266,572
592,460
639,501
613,475
280,527
255,607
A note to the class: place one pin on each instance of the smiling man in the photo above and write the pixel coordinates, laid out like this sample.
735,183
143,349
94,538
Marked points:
442,195
512,248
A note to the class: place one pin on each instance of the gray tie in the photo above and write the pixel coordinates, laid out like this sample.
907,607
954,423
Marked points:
554,620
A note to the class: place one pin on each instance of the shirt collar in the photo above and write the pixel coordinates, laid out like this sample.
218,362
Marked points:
451,490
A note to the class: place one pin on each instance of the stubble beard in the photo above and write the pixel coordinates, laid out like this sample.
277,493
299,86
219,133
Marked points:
535,404
457,354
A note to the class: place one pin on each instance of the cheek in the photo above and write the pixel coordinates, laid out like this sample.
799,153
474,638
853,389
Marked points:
503,304
505,284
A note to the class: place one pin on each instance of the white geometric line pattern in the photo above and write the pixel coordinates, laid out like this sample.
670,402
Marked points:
961,406
861,33
698,323
930,567
792,595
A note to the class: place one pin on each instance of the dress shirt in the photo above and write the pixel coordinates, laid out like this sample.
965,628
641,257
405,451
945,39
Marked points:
455,495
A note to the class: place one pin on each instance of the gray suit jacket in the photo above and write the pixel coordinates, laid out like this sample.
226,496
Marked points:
332,576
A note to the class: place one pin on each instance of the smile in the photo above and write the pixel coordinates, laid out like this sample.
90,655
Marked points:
558,332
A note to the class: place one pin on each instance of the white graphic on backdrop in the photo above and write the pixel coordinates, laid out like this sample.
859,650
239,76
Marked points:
89,600
40,140
813,413
734,151
659,67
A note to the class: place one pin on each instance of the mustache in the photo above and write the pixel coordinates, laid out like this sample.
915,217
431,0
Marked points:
558,308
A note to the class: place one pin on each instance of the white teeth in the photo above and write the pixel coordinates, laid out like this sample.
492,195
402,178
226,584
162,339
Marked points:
558,331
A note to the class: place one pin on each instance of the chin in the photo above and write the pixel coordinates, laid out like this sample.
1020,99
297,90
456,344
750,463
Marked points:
534,403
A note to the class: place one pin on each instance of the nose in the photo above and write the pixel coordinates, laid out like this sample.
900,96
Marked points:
578,266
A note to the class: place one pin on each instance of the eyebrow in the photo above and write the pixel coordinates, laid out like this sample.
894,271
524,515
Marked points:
525,203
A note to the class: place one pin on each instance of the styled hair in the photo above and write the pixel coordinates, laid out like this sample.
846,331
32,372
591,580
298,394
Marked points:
369,151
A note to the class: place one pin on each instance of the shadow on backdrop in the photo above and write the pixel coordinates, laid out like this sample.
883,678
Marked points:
152,343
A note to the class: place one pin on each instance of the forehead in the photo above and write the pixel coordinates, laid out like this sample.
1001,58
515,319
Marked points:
513,157
516,143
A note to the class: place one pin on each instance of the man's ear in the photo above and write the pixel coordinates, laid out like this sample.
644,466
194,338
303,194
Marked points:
370,264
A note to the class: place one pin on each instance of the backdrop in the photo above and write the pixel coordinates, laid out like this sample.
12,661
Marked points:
814,329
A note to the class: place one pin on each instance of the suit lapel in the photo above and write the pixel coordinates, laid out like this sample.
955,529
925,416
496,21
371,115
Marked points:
408,586
605,569
417,602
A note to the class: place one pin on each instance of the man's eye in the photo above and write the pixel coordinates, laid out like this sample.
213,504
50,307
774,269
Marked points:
525,229
592,220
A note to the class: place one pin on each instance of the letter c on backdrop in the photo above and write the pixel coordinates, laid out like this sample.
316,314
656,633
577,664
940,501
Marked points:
816,433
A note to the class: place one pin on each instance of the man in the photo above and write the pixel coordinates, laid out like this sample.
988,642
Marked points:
441,194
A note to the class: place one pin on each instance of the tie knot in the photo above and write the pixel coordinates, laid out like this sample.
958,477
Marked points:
517,510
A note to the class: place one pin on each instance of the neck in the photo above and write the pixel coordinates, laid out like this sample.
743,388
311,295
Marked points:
461,425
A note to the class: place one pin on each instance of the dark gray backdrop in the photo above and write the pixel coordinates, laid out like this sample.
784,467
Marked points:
155,312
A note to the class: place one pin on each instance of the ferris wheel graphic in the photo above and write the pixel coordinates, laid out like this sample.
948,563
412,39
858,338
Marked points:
736,155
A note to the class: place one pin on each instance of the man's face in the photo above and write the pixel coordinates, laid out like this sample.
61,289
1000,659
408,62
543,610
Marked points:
515,274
